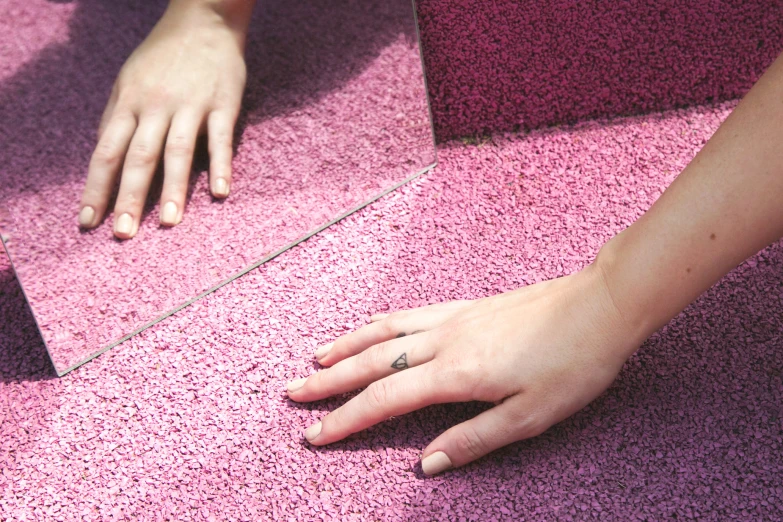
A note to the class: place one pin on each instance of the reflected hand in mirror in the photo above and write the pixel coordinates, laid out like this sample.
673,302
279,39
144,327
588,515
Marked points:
333,115
184,80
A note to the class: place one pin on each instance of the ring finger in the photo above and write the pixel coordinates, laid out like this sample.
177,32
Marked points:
379,361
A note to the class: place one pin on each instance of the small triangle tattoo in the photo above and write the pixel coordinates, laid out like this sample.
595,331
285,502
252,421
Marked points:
401,363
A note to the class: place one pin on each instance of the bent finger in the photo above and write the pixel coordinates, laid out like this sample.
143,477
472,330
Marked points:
473,439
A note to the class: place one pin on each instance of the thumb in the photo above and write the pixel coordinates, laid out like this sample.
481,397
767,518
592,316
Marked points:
471,440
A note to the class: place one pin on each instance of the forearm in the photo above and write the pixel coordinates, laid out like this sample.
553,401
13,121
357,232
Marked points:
724,207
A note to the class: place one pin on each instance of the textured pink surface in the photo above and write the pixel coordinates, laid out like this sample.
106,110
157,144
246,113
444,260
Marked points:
189,420
502,64
335,113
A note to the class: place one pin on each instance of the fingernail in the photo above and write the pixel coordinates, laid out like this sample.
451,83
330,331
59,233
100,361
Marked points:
313,431
124,225
169,214
378,317
86,216
435,463
323,350
221,187
295,385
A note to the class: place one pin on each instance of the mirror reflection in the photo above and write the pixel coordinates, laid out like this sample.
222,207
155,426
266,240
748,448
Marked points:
334,114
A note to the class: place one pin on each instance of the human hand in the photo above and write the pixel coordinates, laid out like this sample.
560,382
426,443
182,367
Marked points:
185,79
540,353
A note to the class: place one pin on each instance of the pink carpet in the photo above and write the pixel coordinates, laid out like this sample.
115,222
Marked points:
189,419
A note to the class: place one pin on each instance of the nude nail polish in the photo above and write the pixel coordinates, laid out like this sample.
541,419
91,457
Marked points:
313,431
435,463
221,187
323,350
295,385
169,214
86,216
124,225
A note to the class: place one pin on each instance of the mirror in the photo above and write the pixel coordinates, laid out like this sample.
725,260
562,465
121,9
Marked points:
335,115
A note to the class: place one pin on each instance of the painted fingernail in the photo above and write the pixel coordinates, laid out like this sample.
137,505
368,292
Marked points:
124,225
313,431
86,216
323,350
378,317
295,385
169,214
221,187
435,463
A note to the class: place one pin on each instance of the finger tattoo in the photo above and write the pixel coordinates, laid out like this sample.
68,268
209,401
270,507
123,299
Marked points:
403,334
401,363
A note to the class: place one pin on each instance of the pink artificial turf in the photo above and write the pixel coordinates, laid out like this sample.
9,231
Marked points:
189,420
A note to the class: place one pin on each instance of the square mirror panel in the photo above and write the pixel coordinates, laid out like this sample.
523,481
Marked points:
334,115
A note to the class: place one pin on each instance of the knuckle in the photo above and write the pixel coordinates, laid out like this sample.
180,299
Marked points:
221,139
374,357
179,146
315,381
378,394
392,325
127,202
533,425
469,444
106,154
142,155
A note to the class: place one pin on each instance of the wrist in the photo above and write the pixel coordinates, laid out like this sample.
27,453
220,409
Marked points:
233,14
628,288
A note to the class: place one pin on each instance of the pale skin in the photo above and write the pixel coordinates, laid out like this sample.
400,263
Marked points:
543,352
185,79
540,353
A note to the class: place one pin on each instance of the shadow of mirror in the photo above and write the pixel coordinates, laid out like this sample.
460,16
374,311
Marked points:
335,114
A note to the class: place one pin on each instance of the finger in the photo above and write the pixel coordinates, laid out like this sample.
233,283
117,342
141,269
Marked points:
137,173
356,372
220,133
177,161
104,166
397,394
471,440
394,325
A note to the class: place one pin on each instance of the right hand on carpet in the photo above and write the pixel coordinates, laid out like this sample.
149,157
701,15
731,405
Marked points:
187,77
540,353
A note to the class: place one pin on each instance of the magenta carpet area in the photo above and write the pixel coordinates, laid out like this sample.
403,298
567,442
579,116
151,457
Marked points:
499,65
189,420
